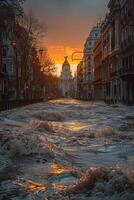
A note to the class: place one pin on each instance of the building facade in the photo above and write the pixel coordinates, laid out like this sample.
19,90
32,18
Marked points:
126,70
109,45
88,62
7,61
80,79
66,80
108,61
115,35
98,85
19,63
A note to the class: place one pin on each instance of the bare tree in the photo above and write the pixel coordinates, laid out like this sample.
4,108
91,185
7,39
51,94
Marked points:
15,5
52,86
34,28
47,64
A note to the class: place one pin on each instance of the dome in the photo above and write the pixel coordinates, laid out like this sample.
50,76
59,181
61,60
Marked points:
66,64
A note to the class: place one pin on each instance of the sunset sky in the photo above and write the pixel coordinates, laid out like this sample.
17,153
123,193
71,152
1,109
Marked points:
68,24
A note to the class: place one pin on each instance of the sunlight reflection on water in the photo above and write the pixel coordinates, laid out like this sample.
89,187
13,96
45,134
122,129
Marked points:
32,186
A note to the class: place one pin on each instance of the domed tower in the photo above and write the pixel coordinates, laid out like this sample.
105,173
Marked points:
66,79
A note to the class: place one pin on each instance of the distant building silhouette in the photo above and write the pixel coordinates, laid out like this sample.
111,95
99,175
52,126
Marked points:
66,80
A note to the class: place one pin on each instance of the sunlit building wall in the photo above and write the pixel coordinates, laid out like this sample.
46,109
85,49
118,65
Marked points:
88,62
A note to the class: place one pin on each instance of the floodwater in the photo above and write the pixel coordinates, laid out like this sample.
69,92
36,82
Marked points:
67,150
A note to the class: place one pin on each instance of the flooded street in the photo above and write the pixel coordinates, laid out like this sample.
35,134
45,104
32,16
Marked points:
67,149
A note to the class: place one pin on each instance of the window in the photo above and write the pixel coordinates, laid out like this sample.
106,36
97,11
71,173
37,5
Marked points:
96,34
130,32
0,85
123,62
90,43
127,62
5,87
4,52
130,61
4,68
12,68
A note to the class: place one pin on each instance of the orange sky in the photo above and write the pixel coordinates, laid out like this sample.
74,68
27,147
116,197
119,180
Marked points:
68,24
58,52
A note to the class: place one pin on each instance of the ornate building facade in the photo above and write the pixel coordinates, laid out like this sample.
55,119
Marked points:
117,66
66,80
80,79
126,71
98,84
20,73
108,61
88,62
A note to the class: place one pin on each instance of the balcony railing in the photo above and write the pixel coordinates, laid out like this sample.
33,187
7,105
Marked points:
113,74
3,75
126,70
127,42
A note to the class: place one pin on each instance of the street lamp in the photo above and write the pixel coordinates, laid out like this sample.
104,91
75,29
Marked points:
14,45
41,50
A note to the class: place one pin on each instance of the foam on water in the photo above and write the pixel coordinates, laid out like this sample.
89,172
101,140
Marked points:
100,183
25,140
49,116
60,140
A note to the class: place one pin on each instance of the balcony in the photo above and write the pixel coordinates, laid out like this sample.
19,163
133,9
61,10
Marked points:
127,43
127,72
113,8
3,74
113,74
97,81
